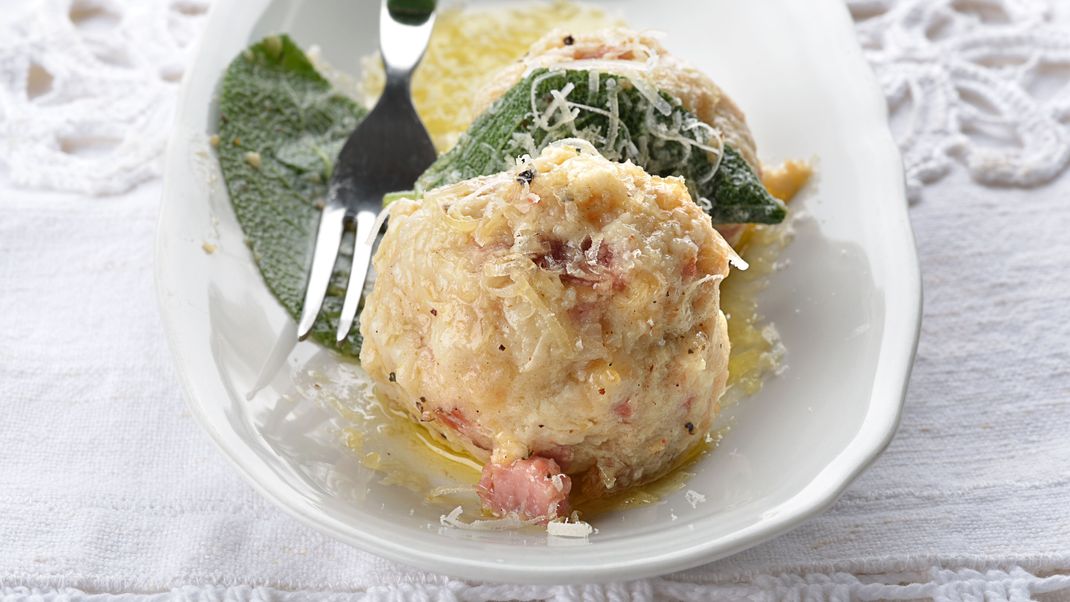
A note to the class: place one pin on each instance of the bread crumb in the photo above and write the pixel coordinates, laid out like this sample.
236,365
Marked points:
694,498
253,159
214,140
208,248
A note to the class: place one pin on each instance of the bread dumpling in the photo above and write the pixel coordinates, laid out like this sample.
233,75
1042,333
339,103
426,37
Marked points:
559,321
640,56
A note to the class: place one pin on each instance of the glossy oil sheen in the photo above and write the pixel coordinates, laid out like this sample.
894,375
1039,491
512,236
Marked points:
847,310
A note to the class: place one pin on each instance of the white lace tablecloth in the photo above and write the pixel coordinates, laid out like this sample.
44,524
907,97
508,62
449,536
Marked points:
107,487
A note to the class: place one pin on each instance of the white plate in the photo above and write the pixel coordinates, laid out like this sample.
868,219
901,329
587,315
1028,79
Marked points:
848,308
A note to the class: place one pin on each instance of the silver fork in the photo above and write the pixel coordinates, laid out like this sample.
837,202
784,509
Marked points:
387,151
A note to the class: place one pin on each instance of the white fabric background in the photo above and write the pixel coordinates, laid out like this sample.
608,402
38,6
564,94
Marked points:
107,486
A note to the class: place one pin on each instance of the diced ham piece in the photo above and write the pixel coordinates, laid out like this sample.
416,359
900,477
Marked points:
456,420
534,488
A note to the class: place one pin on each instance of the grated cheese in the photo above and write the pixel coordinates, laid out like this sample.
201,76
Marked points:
618,141
508,523
558,481
614,113
444,491
380,219
569,529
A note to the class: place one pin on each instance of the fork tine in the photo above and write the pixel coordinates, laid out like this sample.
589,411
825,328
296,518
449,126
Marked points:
328,239
362,253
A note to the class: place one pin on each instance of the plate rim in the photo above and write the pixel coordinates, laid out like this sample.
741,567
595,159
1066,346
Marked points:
876,432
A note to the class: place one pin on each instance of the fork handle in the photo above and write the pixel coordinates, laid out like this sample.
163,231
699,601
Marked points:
404,31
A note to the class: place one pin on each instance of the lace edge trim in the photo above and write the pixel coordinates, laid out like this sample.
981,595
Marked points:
941,585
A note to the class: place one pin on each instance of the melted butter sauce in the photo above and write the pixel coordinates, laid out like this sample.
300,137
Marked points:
467,45
374,424
756,350
654,491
